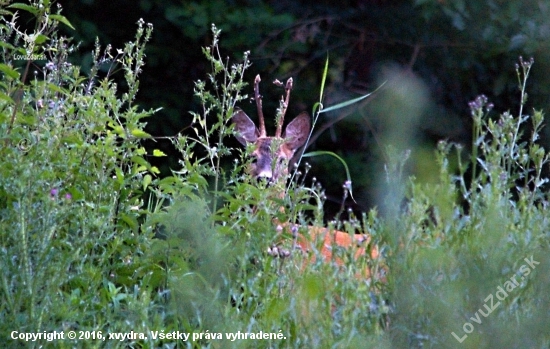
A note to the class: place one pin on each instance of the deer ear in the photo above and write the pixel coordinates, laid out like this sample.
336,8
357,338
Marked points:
297,131
246,130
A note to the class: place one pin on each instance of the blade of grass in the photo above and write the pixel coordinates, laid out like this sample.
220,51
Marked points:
348,176
350,102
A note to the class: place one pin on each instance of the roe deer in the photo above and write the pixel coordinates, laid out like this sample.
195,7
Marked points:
271,156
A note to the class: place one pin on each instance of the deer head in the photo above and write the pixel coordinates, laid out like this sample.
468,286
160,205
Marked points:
271,155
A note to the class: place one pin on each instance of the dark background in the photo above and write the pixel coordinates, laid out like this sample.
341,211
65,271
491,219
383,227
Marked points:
436,55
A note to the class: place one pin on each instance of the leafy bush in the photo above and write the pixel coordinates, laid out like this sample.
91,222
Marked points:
466,237
92,240
71,183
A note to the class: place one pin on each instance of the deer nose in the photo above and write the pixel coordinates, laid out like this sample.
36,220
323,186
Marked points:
265,174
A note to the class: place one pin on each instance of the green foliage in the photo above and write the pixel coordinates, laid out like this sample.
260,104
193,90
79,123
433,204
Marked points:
92,240
514,24
72,183
463,239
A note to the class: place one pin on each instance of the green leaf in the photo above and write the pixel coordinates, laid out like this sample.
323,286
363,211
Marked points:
40,39
9,71
323,80
146,181
119,175
154,170
7,45
5,97
140,133
140,161
130,220
25,7
72,139
75,193
63,20
119,130
56,88
158,153
323,152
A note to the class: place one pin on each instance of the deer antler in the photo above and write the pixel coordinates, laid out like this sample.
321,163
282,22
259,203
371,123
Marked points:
288,88
258,99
